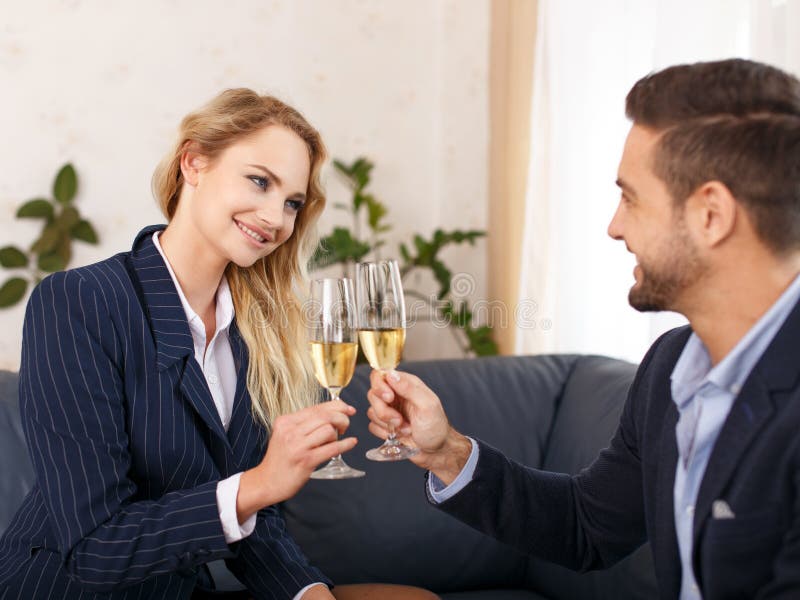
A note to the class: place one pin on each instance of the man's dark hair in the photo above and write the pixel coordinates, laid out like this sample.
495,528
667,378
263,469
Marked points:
734,121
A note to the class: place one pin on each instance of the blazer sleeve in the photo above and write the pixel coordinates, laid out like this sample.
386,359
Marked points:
73,407
587,521
270,563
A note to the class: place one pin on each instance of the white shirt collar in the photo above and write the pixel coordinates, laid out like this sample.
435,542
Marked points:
224,310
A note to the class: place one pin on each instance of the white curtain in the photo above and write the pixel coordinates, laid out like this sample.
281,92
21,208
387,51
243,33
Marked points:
575,279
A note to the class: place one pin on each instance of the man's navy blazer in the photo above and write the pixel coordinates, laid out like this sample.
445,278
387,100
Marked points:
625,497
128,447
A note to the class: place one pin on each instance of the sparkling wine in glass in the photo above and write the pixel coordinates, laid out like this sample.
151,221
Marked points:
382,333
334,347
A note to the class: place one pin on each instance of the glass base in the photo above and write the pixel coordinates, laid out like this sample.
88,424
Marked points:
390,451
337,469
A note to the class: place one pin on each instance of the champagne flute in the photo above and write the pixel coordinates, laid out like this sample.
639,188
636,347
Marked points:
382,333
334,348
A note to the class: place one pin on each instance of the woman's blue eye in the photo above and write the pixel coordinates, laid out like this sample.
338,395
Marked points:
261,182
295,205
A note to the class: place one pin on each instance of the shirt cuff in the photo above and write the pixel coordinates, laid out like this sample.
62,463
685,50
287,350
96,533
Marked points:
439,492
299,594
227,491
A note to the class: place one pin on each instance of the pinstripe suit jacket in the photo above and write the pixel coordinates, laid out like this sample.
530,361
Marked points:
128,447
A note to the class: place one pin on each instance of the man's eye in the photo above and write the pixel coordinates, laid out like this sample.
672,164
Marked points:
261,182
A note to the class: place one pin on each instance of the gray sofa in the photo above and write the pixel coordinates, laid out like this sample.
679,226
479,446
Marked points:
551,412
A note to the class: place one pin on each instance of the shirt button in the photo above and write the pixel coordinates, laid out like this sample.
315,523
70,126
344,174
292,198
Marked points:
212,379
690,510
695,589
736,388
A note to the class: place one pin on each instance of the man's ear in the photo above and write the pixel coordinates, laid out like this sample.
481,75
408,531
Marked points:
192,163
711,213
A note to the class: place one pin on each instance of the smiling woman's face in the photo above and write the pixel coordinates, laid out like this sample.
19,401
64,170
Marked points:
244,204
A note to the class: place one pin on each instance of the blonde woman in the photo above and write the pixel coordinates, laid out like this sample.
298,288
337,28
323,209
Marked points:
151,382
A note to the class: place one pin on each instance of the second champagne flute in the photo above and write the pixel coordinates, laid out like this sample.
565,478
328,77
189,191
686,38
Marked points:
382,333
334,348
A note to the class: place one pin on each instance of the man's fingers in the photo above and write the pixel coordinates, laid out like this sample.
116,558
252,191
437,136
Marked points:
378,431
381,410
378,384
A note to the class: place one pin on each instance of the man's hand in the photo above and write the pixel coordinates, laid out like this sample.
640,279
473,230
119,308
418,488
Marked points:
416,412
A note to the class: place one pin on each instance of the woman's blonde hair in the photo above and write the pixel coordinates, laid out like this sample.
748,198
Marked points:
267,295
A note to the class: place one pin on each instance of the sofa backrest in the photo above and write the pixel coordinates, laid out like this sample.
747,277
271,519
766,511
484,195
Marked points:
587,416
543,410
16,471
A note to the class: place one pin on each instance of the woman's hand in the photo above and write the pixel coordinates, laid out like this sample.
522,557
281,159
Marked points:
299,442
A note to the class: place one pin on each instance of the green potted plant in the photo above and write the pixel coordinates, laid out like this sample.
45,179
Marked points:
346,246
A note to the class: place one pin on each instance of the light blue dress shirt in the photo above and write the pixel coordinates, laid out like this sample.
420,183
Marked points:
704,395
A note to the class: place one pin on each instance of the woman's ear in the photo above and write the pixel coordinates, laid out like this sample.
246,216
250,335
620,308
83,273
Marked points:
192,163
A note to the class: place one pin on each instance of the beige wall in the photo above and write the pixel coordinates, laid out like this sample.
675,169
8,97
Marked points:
104,84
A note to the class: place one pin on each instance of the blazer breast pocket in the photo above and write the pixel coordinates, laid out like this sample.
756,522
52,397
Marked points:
744,530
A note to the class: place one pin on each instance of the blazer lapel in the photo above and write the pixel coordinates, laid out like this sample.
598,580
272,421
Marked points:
243,430
170,329
776,370
665,539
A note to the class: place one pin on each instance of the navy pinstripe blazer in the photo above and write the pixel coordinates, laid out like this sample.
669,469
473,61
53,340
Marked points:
128,447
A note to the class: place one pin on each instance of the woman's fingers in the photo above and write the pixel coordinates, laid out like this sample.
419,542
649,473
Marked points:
328,451
323,434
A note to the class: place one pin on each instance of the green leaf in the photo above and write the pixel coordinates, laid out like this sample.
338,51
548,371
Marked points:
443,276
47,241
12,291
11,257
37,208
342,168
84,232
376,211
68,218
360,172
64,249
404,253
66,184
481,342
339,247
358,200
51,262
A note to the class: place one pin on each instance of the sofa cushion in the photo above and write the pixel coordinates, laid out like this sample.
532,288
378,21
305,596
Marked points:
342,525
591,404
15,465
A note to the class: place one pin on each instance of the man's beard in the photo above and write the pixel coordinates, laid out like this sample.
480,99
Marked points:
660,286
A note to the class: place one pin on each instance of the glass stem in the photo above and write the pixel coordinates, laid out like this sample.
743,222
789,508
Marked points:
392,439
334,393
